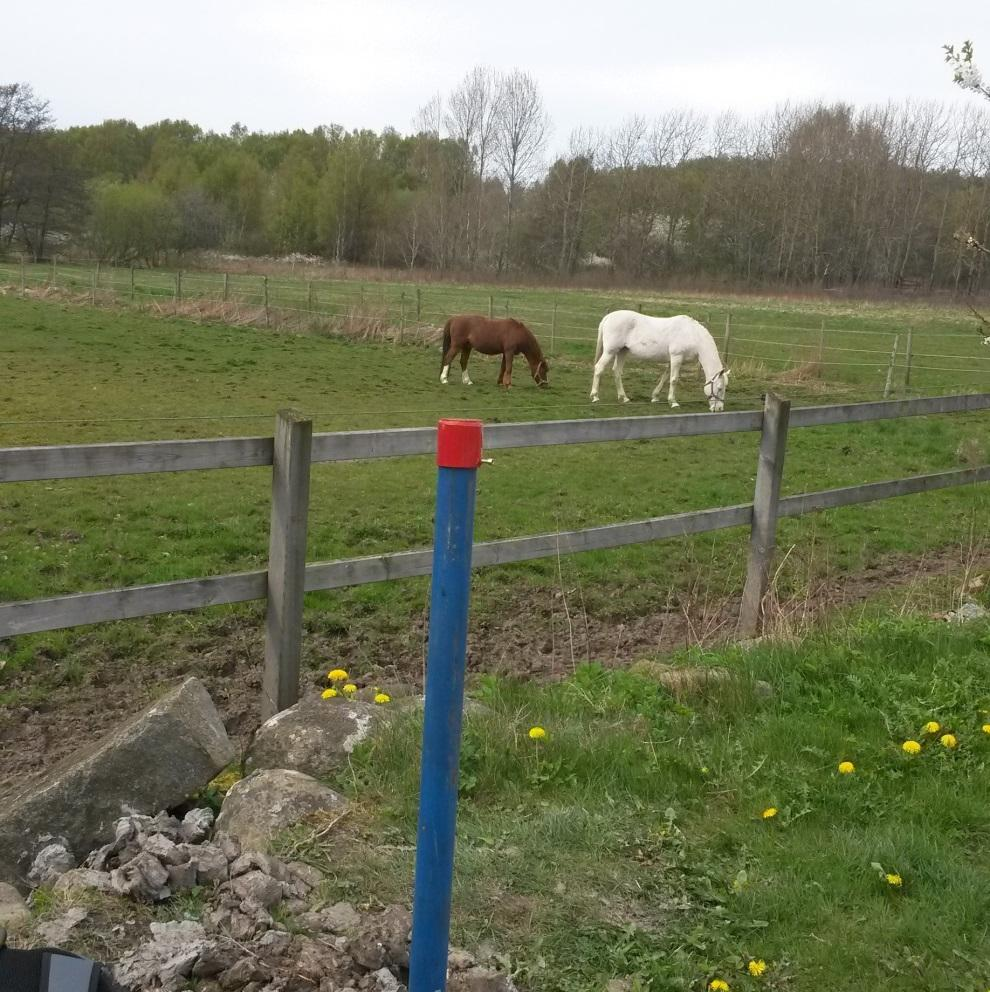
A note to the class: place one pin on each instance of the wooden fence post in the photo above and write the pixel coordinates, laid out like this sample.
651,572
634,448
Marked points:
23,277
132,284
419,304
725,342
178,286
268,318
821,343
506,306
54,269
226,279
907,358
890,369
286,562
402,315
309,296
491,306
96,280
763,534
553,328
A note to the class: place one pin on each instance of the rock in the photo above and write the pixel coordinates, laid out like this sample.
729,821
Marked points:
50,862
245,971
269,800
313,961
274,942
256,885
384,940
967,613
316,736
166,960
209,860
55,933
143,878
182,878
686,682
216,958
480,980
81,879
230,847
458,960
196,825
306,874
154,761
341,917
165,850
255,860
13,909
385,981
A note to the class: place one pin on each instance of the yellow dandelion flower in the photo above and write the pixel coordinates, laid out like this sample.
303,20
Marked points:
537,733
931,727
328,693
756,968
846,768
349,689
948,740
337,675
893,879
382,697
717,985
986,728
911,747
770,812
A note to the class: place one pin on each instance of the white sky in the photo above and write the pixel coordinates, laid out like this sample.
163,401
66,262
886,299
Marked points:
278,64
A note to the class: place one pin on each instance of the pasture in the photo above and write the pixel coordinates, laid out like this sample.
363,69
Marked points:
671,876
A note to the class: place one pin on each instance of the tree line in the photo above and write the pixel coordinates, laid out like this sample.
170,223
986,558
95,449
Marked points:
814,195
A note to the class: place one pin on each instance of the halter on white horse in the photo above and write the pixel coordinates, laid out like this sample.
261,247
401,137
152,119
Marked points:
663,339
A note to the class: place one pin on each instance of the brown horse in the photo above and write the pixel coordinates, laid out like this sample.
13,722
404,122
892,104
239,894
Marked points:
505,337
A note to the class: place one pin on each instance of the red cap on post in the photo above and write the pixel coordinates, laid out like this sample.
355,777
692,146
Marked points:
459,443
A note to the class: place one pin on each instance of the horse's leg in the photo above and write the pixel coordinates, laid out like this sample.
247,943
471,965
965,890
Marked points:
465,355
620,361
501,372
507,375
447,360
655,395
675,372
600,367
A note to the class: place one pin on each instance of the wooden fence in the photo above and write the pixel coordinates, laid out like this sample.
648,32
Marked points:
294,448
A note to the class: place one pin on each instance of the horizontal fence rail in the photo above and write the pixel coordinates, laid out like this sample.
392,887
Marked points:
31,464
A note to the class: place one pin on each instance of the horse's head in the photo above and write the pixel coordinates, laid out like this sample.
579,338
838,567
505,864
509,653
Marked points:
715,390
541,372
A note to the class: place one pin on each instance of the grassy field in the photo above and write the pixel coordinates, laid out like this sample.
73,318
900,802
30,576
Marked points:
850,341
79,374
632,841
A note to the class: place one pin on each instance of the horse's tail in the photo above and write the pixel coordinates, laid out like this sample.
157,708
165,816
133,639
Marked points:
600,346
446,341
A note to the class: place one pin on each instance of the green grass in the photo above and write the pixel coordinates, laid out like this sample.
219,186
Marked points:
77,374
630,842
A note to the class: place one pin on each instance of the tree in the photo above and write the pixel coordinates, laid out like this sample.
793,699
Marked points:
23,118
520,132
132,222
966,73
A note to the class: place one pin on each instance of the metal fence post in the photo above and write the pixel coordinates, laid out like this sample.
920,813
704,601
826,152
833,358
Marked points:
458,457
763,534
286,561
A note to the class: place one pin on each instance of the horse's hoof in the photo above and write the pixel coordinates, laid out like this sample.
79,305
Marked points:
594,399
674,406
654,400
625,399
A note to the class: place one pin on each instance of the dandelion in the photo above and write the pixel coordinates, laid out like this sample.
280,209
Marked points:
349,689
986,728
846,768
931,727
911,747
717,985
537,733
382,697
893,879
337,675
757,968
948,741
769,813
328,693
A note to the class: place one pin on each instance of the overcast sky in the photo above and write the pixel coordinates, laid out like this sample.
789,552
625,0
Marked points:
283,64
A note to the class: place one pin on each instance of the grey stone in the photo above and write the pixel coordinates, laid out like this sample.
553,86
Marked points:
55,933
13,909
196,825
385,981
480,980
166,960
306,874
243,972
967,613
257,861
316,736
384,940
167,825
154,761
210,861
81,879
274,942
217,957
50,862
182,878
459,960
231,848
256,885
341,917
165,850
144,878
270,800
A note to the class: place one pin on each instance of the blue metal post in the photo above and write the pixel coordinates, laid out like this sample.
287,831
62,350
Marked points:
458,456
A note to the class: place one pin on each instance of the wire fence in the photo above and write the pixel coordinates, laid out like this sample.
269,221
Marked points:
566,324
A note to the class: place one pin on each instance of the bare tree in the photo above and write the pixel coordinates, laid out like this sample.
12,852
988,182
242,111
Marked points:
23,116
521,128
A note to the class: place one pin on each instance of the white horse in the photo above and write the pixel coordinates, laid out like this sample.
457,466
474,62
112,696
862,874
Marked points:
664,339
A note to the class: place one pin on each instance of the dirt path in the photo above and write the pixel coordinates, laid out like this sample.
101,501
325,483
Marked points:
228,662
